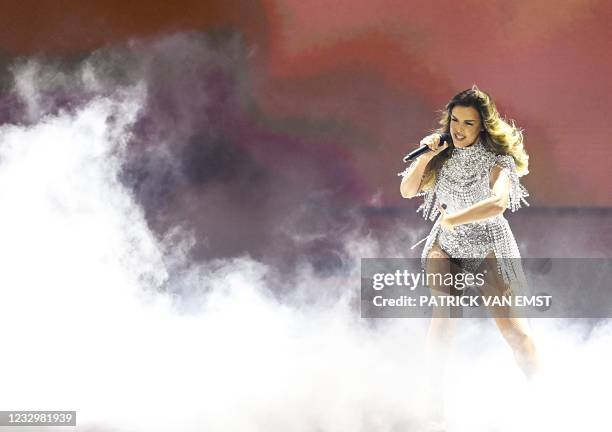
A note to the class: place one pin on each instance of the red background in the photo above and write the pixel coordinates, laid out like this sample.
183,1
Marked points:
374,72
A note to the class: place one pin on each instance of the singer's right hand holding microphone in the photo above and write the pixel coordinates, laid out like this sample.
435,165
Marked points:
433,142
412,176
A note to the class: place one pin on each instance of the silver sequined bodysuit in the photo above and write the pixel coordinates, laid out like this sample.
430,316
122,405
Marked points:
464,180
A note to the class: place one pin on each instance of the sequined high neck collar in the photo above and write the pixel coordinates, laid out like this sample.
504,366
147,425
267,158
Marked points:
477,146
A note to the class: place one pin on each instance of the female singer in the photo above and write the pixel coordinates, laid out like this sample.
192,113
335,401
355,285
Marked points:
469,182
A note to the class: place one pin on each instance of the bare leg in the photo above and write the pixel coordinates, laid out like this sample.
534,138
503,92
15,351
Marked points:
441,325
517,333
515,330
440,333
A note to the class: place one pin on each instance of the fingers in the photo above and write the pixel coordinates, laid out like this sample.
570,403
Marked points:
433,139
437,148
441,148
433,142
436,139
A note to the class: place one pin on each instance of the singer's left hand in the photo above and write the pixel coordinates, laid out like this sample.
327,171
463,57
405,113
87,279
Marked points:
446,221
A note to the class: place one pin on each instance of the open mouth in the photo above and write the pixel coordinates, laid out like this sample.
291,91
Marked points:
459,137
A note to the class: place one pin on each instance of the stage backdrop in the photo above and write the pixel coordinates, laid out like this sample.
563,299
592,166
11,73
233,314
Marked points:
358,81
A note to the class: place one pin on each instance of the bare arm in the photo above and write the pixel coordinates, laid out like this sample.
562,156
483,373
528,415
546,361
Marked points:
411,183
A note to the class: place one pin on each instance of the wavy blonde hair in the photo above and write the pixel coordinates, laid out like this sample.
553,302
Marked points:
499,136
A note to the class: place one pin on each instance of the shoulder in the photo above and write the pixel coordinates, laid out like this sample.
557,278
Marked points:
499,163
504,161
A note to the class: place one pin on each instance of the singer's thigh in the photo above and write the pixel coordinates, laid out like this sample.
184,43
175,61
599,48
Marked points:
514,328
438,266
495,287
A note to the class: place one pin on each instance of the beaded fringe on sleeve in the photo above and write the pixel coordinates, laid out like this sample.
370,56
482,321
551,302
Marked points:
430,203
506,249
518,193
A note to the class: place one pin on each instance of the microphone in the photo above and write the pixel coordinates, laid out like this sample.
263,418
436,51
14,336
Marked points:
445,137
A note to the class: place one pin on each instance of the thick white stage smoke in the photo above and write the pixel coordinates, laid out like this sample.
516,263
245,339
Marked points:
86,326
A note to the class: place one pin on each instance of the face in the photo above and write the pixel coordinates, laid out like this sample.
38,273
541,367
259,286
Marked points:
465,126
